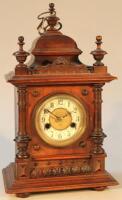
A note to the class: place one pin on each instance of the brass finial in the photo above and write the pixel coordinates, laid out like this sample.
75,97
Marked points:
98,53
49,22
21,55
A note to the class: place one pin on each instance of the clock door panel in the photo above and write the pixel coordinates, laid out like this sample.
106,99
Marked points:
38,147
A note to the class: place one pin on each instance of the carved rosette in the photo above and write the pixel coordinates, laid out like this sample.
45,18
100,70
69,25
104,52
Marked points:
97,135
22,139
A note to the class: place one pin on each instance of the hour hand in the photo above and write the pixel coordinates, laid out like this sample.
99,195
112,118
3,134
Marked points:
68,113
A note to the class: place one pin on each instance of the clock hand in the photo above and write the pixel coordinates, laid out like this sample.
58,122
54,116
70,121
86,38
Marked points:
53,115
68,113
64,116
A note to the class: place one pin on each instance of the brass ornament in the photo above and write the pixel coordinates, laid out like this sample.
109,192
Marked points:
63,121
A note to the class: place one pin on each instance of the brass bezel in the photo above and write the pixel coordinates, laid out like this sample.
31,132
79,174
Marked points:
66,142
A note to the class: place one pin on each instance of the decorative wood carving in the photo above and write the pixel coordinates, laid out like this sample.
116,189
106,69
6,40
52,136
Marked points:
98,166
35,93
36,147
21,171
85,92
82,144
61,61
62,168
22,142
60,69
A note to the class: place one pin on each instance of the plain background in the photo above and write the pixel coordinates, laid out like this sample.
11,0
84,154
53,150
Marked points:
82,20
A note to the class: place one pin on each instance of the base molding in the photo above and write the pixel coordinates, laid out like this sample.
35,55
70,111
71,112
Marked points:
97,181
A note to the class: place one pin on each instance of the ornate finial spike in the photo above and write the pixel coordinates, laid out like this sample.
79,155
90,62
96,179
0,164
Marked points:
21,42
99,41
21,39
99,38
49,22
51,8
21,55
98,53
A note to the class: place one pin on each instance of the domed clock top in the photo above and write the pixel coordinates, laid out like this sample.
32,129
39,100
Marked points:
57,54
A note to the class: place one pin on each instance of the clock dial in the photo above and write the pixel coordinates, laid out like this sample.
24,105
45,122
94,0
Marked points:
60,120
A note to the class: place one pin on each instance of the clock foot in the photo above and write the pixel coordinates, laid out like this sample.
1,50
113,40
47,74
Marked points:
100,188
22,195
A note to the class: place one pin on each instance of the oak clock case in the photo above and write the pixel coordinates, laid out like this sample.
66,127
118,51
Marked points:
59,142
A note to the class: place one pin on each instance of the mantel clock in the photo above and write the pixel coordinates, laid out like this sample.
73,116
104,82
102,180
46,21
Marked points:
60,136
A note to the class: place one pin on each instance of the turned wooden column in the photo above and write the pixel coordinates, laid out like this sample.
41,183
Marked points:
98,153
97,135
22,139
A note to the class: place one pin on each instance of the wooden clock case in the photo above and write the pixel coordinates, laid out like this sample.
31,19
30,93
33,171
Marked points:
56,69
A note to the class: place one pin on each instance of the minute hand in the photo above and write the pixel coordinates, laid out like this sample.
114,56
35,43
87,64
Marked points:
58,118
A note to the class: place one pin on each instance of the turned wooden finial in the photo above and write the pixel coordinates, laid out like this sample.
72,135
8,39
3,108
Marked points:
21,55
98,53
